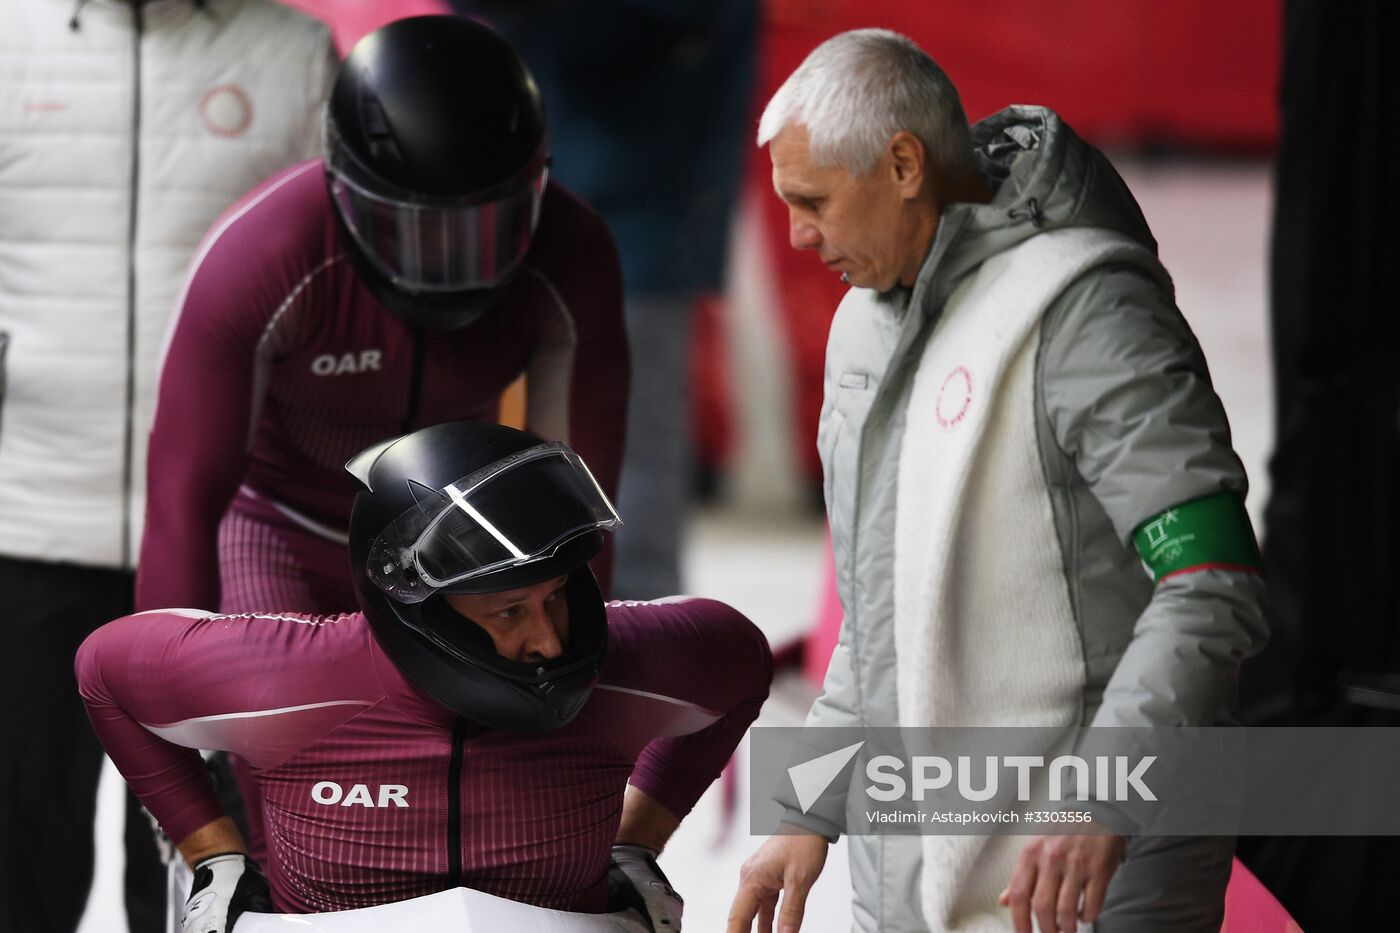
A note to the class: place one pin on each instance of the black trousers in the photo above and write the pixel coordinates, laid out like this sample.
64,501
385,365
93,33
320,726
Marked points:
1333,516
50,759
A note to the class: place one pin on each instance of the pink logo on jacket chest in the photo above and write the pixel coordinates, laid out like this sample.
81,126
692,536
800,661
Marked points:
954,397
226,110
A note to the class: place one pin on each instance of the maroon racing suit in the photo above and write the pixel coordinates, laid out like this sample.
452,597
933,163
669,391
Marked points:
374,792
282,365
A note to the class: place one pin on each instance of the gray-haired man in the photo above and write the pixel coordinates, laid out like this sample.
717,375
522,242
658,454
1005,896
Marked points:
1012,399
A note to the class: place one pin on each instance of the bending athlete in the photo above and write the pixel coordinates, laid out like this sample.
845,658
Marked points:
405,279
484,720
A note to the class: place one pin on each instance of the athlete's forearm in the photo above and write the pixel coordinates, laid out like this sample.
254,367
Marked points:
217,838
645,822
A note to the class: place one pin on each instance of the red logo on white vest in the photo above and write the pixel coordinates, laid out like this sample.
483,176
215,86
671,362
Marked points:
226,110
954,397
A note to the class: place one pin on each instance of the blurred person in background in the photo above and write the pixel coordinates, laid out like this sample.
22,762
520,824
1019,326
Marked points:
406,278
125,129
649,105
483,720
1016,413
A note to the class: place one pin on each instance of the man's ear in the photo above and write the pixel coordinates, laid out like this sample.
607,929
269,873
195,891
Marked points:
909,162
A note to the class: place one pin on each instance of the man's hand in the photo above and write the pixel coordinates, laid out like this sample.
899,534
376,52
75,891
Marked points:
786,865
225,886
1053,873
636,881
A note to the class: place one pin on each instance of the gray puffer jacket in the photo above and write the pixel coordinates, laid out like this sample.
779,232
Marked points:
1127,425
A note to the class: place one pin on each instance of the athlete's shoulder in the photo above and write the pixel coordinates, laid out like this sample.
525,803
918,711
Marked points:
569,227
314,638
680,605
286,652
688,648
285,216
686,625
300,187
267,247
561,205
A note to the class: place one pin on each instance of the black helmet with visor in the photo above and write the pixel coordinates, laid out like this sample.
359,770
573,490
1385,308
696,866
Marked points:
436,160
479,508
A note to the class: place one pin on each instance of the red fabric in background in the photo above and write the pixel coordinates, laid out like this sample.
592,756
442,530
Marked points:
1250,908
1124,73
1193,72
712,378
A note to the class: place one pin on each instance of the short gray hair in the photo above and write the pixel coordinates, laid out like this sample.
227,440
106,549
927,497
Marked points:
857,89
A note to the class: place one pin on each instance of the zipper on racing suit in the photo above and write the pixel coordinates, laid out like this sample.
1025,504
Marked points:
454,802
128,440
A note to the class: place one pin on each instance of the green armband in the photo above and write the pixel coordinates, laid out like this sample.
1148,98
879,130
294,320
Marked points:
1203,534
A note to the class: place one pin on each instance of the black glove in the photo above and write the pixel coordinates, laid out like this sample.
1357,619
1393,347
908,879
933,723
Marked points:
635,881
225,886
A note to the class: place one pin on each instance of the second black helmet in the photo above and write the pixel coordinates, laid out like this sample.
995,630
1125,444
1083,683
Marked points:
471,508
436,160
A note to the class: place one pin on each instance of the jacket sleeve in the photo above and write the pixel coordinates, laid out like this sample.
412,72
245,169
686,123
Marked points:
835,707
204,417
1130,402
160,685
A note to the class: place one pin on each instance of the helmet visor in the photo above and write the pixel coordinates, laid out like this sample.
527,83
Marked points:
517,510
423,243
441,249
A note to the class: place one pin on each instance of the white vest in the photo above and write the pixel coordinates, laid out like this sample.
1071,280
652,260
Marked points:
118,149
984,630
